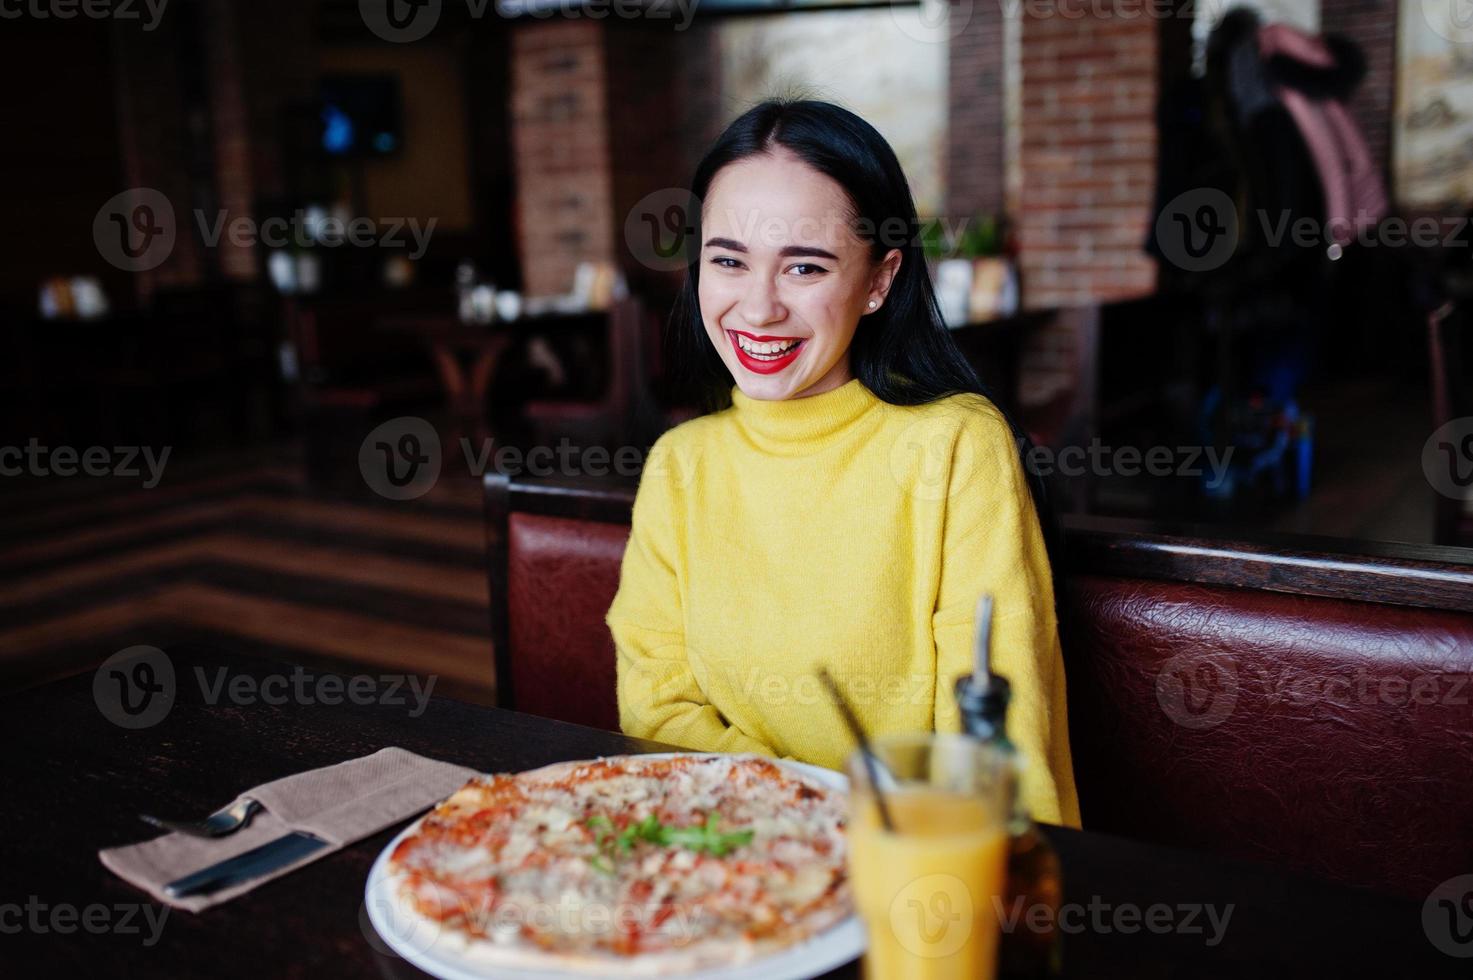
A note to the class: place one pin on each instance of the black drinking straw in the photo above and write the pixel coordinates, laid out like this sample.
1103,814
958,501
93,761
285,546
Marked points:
857,730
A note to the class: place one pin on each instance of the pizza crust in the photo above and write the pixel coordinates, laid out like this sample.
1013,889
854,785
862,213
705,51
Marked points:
699,956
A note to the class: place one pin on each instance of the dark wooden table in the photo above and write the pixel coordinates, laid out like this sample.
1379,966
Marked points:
465,357
74,782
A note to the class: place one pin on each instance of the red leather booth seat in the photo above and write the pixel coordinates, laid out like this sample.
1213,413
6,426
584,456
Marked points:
1332,736
1299,708
563,575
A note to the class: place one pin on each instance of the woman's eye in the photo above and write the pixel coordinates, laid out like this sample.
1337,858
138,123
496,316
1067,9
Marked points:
726,262
812,270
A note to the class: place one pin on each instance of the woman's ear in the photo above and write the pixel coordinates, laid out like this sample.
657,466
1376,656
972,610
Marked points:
884,275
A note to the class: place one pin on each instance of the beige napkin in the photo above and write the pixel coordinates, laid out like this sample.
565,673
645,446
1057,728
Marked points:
340,804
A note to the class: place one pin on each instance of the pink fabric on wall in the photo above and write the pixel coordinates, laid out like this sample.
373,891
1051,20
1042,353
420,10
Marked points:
1355,196
1282,39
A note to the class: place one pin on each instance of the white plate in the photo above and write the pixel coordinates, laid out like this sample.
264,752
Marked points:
422,942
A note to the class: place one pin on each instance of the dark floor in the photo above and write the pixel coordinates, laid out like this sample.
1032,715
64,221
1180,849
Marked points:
1368,481
245,554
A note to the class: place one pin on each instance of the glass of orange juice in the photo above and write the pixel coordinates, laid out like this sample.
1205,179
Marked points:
928,890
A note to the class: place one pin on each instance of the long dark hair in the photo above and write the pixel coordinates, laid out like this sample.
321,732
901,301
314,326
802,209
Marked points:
902,352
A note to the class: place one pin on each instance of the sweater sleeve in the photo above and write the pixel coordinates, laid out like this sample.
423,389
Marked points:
992,542
659,695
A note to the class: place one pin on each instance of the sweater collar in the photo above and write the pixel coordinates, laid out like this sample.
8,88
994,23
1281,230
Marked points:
805,419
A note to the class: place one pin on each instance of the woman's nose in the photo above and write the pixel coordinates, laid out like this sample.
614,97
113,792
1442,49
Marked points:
760,305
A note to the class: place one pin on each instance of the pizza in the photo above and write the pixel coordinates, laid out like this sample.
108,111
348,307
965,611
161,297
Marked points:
630,865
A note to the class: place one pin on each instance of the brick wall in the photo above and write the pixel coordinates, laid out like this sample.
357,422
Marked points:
703,114
602,115
647,88
228,115
154,141
256,58
560,149
1076,175
1087,160
976,134
1372,25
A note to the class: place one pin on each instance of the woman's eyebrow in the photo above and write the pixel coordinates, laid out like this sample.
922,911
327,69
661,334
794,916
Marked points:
787,250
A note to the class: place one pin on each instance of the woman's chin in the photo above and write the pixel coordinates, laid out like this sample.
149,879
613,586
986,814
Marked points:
764,389
768,387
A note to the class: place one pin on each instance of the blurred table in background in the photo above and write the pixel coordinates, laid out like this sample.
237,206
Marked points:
465,356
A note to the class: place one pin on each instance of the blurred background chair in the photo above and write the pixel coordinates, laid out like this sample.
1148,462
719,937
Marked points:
623,409
553,551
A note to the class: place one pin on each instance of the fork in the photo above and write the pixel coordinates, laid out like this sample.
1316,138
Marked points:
226,821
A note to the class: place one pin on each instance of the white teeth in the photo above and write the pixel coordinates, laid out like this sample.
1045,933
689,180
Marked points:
767,349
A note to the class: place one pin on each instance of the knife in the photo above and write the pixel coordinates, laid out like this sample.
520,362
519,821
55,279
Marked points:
254,863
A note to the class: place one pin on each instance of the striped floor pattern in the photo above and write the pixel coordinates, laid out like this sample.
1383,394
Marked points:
246,556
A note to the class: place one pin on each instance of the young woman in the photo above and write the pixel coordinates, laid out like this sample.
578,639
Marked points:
853,498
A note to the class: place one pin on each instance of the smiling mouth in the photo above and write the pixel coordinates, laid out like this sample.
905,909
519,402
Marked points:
765,354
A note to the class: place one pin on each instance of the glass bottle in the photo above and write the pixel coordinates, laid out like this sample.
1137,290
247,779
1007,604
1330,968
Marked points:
1032,946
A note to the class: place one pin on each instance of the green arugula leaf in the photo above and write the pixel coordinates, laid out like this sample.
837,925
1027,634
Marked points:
726,843
701,838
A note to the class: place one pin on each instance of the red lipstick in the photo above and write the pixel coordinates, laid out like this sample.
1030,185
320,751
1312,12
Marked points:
759,365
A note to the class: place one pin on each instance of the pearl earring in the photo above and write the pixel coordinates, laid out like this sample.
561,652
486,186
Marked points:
873,304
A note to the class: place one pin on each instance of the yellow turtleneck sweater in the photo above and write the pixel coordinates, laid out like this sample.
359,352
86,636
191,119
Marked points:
838,530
